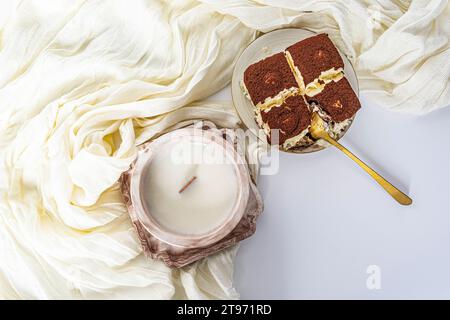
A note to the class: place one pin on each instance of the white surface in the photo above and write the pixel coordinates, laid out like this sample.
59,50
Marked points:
325,221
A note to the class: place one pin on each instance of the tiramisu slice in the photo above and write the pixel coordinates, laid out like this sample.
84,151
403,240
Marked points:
337,104
292,120
315,62
269,81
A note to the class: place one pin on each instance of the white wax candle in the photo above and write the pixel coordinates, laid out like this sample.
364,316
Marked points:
202,206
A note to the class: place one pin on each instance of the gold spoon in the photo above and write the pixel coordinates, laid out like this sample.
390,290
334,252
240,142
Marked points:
318,131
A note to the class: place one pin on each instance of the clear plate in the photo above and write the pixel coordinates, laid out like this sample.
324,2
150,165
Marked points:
262,47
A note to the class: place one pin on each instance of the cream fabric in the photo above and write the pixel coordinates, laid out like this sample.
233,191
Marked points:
82,83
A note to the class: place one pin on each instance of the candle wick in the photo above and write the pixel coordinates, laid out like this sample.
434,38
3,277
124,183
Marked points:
187,184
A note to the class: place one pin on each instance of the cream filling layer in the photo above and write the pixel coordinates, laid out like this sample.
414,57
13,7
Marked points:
269,102
315,87
296,140
244,90
297,74
277,100
261,123
325,77
336,128
288,143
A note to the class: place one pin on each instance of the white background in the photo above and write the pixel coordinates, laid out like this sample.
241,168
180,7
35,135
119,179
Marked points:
325,220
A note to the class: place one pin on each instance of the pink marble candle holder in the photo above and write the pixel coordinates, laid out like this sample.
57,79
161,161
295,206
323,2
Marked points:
177,250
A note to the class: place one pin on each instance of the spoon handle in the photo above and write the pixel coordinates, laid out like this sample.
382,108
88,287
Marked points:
393,191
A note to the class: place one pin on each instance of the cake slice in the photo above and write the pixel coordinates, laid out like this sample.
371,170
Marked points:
269,81
315,62
337,100
292,120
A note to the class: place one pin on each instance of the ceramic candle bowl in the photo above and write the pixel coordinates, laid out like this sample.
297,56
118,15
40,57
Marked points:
139,190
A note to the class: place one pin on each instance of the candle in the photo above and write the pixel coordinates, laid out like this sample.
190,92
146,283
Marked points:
205,203
192,187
